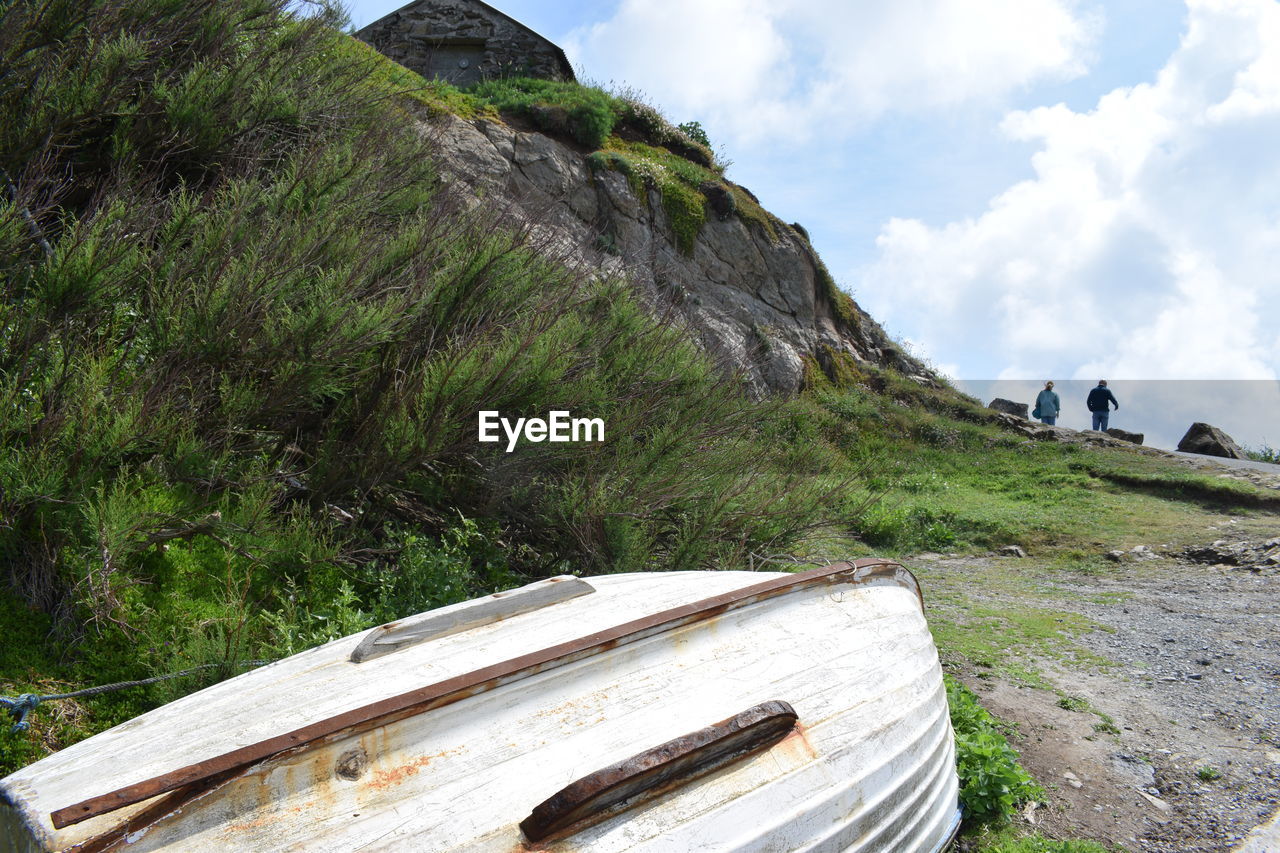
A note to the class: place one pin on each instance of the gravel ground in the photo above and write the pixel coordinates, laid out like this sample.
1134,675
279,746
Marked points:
1194,764
1199,645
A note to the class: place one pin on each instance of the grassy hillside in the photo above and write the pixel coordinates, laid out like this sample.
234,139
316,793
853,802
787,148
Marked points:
244,338
244,342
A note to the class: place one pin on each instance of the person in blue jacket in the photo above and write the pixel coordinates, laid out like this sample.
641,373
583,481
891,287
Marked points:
1047,405
1099,402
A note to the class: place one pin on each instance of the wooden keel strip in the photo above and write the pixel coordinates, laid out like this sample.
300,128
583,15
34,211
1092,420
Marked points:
864,571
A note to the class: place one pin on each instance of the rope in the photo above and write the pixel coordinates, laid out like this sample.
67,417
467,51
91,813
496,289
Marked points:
25,703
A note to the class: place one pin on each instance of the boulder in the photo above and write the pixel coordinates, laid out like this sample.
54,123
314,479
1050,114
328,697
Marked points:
1125,435
1210,441
1009,407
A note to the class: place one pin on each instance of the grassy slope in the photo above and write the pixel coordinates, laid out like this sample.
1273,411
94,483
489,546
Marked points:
239,390
238,420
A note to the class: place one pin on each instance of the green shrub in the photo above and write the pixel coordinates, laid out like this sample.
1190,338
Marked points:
992,783
583,113
694,131
906,527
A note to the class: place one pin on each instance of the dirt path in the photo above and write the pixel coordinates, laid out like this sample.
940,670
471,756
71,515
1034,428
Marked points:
1171,742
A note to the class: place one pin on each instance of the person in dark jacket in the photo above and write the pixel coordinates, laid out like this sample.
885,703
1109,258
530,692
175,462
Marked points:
1047,405
1099,402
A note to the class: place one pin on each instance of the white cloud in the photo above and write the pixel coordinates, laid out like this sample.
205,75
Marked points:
686,53
793,69
1146,244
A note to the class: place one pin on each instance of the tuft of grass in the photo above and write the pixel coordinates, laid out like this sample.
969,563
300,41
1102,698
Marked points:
1009,839
582,113
388,79
640,120
749,211
842,304
1263,453
1073,703
590,115
677,181
1208,773
1011,636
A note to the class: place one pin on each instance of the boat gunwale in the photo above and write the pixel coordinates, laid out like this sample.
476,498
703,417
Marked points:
196,779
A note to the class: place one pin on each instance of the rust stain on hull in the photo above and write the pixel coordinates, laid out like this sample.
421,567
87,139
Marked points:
392,776
796,745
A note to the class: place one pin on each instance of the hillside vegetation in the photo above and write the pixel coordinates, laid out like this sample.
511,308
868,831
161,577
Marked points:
244,336
245,339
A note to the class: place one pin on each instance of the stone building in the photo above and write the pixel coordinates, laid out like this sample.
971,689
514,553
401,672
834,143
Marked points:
464,41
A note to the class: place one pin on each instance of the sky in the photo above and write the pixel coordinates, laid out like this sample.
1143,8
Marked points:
1016,189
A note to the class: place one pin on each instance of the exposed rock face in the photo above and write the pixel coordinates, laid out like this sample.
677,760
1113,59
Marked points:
1000,404
464,42
754,299
1125,435
1211,441
1085,437
1257,556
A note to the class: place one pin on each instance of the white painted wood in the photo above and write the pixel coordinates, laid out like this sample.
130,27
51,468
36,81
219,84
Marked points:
871,766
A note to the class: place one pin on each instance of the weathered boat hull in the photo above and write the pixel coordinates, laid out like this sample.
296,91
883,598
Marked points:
867,765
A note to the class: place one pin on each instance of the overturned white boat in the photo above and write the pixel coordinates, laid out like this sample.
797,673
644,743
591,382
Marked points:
644,712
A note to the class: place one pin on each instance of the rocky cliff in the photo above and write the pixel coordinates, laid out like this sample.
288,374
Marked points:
751,288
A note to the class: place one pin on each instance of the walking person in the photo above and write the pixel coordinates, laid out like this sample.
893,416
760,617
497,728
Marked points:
1047,405
1099,402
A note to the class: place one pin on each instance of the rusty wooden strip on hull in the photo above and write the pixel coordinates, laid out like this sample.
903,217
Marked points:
628,783
452,690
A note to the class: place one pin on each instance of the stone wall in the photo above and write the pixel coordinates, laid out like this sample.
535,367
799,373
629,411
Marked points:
464,41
